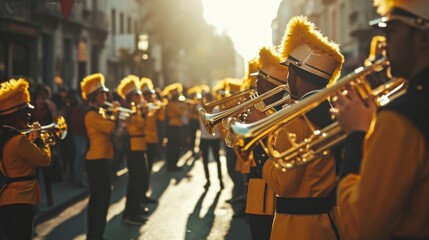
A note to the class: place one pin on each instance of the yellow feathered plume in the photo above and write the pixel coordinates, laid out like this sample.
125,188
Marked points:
301,31
250,81
91,83
385,6
146,84
14,87
127,85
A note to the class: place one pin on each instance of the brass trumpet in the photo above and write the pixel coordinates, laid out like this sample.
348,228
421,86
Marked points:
108,111
234,99
245,136
211,120
50,133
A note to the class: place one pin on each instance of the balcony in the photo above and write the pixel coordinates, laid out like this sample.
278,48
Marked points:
99,26
48,9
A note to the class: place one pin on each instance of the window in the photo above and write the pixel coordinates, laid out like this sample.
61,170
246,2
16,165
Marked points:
113,18
129,25
121,23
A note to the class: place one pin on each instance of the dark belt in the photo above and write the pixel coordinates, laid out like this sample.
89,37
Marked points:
254,173
20,179
409,238
304,205
138,136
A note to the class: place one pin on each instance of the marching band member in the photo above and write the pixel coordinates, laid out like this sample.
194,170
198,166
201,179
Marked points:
194,118
208,142
175,111
150,129
304,205
261,198
99,130
384,181
138,167
249,82
224,88
20,156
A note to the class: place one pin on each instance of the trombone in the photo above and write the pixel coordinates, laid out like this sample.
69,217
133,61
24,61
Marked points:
245,136
49,133
210,120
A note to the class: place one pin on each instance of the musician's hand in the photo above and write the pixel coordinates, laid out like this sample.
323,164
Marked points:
116,104
352,113
34,134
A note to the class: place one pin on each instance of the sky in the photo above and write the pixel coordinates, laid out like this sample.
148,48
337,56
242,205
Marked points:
247,22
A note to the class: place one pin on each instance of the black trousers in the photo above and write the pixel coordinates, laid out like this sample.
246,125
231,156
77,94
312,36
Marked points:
137,182
100,190
174,145
16,221
205,145
236,177
194,125
260,226
151,154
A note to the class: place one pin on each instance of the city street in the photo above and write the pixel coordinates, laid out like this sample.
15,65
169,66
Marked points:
184,211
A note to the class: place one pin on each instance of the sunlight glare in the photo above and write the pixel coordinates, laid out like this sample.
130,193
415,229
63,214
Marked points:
247,22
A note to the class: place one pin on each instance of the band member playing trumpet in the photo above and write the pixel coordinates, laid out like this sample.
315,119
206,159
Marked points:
20,156
384,181
175,112
305,206
99,130
138,167
207,142
260,204
154,112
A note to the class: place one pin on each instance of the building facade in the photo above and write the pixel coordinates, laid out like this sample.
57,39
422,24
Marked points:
51,42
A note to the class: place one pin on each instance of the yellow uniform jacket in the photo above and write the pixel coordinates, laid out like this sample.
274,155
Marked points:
315,180
260,197
150,130
194,113
162,111
135,128
20,158
388,193
99,131
175,112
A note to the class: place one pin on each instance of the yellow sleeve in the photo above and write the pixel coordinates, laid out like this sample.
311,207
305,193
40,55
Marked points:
95,121
31,153
285,183
371,203
175,110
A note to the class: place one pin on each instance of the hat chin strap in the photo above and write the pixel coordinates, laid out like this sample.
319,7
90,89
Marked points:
15,108
419,23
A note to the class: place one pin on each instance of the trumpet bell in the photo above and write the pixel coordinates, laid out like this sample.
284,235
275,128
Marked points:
61,128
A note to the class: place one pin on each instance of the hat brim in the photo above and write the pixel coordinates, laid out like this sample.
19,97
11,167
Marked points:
16,108
254,74
401,16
